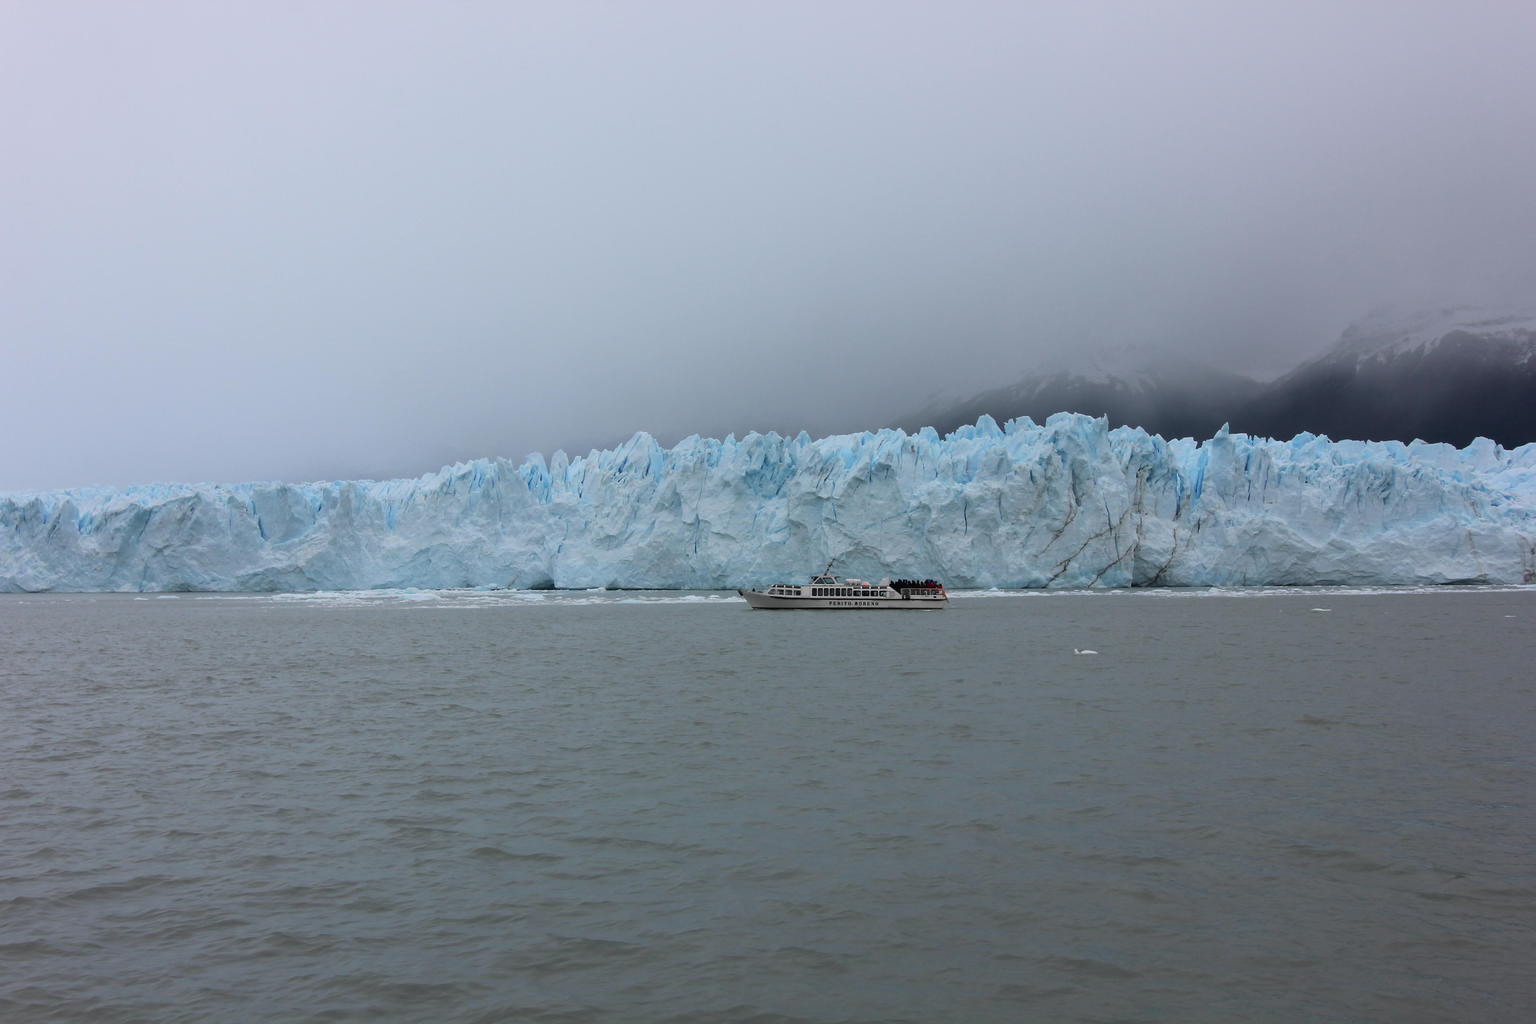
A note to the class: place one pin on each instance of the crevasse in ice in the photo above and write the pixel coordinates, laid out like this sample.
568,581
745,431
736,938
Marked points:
1069,503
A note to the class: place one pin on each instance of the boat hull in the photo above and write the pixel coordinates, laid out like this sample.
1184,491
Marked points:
767,602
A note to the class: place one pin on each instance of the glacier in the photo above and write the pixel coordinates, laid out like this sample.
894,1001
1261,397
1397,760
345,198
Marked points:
1066,503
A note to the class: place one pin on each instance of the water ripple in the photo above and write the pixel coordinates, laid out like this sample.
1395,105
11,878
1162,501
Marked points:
607,807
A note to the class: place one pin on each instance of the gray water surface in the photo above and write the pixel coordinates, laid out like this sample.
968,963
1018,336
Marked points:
662,807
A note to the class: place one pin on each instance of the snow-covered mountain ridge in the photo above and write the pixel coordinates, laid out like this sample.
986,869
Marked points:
1387,334
1450,374
1069,503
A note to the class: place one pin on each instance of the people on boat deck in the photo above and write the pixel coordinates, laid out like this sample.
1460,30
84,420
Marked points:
915,585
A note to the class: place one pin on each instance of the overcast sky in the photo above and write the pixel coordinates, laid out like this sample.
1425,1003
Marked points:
320,239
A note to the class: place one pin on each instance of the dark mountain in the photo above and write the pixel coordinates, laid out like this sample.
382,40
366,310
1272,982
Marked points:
1448,375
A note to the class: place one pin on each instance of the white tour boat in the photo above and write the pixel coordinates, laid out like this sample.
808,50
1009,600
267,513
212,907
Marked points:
827,592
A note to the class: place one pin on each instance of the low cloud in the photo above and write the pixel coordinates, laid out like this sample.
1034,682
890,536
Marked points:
253,242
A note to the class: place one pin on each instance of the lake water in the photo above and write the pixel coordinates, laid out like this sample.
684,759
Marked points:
1253,806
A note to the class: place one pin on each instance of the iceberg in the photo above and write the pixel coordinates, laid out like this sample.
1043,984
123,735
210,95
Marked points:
1066,503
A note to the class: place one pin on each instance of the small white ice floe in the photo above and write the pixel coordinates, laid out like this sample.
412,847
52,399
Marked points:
1076,651
1322,609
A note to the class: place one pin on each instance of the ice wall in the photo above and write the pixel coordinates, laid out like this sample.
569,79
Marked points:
1066,504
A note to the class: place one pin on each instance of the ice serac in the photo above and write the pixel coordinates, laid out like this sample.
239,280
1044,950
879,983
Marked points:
1069,503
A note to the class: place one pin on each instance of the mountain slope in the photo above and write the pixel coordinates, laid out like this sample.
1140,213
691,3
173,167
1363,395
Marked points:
1134,387
1451,376
1446,375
